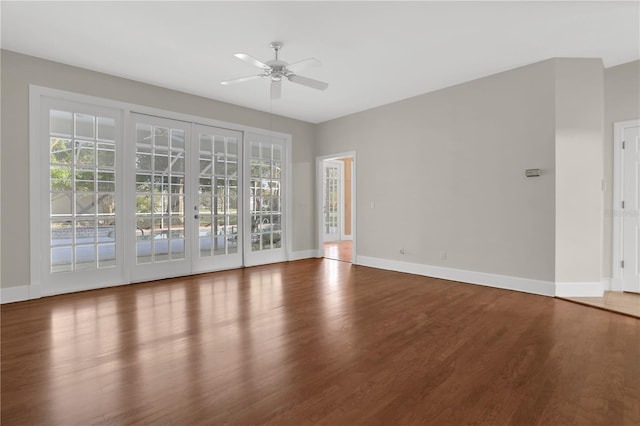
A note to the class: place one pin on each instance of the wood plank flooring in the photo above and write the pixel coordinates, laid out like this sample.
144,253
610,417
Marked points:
615,301
339,250
316,342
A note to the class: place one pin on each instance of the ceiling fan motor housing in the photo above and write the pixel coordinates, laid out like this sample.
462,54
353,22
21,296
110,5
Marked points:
278,69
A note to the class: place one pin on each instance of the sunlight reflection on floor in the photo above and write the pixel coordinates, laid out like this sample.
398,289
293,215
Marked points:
340,250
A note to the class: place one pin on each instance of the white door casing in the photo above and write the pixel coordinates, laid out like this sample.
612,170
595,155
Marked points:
631,210
320,202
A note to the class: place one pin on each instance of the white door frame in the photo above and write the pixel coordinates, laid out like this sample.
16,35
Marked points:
320,196
616,208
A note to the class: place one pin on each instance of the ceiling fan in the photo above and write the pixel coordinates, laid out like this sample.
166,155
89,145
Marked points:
278,70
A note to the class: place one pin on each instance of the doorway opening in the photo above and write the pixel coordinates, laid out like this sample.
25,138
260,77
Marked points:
336,207
623,295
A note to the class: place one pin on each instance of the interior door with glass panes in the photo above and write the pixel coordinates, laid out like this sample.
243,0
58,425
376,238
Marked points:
332,200
162,220
218,244
265,216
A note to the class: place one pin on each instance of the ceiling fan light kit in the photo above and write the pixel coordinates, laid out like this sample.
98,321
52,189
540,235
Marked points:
278,70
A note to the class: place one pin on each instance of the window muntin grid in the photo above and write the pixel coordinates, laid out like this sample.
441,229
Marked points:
265,202
218,195
82,187
331,208
160,193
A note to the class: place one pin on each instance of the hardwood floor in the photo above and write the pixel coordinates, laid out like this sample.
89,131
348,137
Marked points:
316,341
339,250
614,301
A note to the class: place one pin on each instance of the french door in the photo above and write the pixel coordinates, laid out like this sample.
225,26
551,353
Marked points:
78,187
332,200
217,180
119,196
265,221
163,223
187,198
191,215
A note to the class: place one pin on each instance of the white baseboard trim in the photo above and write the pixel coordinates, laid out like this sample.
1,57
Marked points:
579,289
35,291
63,289
526,285
616,284
28,292
14,294
303,254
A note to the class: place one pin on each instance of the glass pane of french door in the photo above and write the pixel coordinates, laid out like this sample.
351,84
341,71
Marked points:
82,191
219,169
161,197
265,215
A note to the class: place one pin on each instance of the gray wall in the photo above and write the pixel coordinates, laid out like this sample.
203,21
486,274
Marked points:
445,172
18,71
622,103
579,107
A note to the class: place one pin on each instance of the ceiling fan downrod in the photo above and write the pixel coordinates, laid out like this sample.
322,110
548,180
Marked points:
276,46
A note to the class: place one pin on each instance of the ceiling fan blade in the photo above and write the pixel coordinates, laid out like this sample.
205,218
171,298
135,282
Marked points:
240,80
253,61
276,89
309,82
300,65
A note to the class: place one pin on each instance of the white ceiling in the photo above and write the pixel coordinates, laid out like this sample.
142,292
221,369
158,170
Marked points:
373,53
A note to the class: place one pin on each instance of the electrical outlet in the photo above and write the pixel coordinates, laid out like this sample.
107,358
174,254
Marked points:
443,255
402,251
